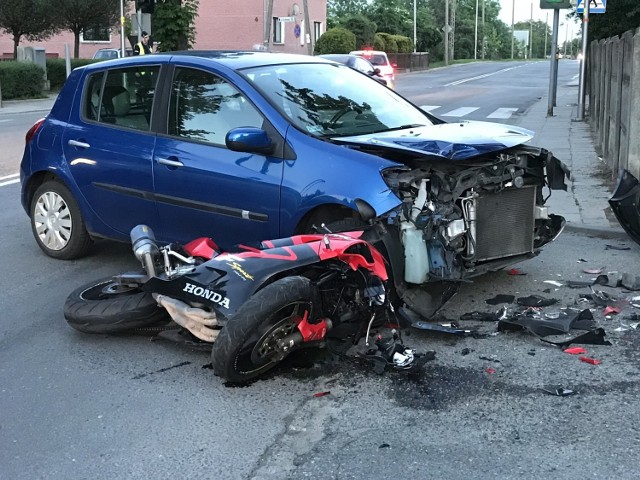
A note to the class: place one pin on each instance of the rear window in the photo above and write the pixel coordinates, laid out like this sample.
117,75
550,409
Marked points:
377,59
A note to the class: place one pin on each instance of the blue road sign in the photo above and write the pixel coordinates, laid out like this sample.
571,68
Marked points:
595,6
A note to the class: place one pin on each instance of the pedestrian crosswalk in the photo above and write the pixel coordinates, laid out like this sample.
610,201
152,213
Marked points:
440,111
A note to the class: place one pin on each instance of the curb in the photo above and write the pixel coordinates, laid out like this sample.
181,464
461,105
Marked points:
600,232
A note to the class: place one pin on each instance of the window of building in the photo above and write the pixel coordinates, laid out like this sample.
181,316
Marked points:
98,33
124,98
204,107
317,31
278,31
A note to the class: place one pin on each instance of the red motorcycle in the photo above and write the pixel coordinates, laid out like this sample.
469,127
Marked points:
256,305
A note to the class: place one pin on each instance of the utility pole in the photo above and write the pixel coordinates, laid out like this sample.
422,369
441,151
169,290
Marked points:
308,29
583,62
446,32
483,37
415,36
513,34
546,26
531,33
553,75
268,22
475,45
122,50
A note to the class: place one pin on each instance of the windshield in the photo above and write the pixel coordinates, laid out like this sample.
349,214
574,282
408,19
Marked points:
333,100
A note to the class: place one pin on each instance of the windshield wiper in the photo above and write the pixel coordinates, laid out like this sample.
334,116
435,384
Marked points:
404,127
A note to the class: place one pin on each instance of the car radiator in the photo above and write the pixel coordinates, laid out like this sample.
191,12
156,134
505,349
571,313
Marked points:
504,223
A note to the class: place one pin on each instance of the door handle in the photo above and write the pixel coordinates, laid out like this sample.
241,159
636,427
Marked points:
170,163
76,143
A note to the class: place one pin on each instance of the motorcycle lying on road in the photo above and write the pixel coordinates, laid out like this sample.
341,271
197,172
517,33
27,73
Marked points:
255,305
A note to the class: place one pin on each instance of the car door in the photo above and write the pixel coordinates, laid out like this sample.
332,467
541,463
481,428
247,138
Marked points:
203,188
109,146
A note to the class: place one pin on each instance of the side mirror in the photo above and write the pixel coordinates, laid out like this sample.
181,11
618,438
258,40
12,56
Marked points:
250,140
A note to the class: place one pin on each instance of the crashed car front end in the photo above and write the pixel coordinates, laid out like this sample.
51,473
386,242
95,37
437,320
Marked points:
473,197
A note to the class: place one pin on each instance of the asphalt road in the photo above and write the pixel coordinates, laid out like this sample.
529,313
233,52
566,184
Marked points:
79,406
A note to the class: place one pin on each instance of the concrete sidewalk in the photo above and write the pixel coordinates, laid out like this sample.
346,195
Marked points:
584,205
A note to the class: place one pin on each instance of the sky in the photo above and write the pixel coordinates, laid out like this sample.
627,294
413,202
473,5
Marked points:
523,14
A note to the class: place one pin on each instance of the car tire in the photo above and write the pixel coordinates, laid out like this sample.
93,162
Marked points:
103,306
56,222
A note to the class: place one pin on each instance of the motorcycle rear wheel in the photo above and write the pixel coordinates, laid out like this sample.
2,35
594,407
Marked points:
246,346
103,306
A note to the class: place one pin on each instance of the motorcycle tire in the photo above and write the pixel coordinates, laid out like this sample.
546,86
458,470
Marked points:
103,306
245,347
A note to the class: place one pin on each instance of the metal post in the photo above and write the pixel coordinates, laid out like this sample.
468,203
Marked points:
483,38
268,22
122,50
546,26
0,95
446,32
531,33
67,58
415,36
475,45
583,62
513,35
309,27
139,18
553,75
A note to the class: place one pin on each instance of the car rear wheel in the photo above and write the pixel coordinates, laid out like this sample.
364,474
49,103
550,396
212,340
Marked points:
56,222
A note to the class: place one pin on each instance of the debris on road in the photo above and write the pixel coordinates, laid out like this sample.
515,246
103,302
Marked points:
575,351
558,391
590,360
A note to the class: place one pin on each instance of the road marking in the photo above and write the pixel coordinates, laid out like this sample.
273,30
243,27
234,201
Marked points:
7,120
428,108
502,113
458,82
460,112
9,179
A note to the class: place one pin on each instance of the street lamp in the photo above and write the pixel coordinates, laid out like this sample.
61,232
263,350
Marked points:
415,37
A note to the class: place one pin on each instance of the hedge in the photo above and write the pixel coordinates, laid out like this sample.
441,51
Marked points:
336,40
57,70
21,80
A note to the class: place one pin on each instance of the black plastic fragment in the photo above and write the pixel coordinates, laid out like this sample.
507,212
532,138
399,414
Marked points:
536,301
501,298
480,316
594,337
616,247
558,391
543,327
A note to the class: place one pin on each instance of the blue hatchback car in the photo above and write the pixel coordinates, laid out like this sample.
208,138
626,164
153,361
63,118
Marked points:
247,146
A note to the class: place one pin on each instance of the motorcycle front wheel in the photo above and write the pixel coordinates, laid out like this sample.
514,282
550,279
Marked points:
104,306
247,345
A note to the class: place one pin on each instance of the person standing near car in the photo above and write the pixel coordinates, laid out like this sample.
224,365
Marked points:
142,47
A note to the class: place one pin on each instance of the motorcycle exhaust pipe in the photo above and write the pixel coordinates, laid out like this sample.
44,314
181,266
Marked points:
143,242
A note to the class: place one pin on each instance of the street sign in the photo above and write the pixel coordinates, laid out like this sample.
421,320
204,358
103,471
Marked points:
555,4
595,6
286,19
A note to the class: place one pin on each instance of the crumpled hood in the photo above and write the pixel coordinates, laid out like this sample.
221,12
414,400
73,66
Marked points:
455,141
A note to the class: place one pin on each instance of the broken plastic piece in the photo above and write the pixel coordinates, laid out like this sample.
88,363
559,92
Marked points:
321,394
385,445
498,299
594,337
536,301
630,282
558,391
592,271
616,247
611,311
590,360
515,271
490,370
479,316
575,351
553,282
482,357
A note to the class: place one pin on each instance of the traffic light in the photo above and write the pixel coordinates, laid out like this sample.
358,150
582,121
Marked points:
146,6
555,4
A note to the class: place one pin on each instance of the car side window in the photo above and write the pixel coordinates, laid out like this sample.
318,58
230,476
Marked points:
363,66
204,107
124,98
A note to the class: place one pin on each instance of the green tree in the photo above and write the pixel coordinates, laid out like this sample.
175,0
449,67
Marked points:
339,10
32,19
392,16
539,30
336,40
622,15
80,15
363,28
172,24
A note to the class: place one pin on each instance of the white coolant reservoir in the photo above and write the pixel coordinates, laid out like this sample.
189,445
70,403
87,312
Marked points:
416,256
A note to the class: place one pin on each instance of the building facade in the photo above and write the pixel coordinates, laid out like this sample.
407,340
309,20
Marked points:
220,25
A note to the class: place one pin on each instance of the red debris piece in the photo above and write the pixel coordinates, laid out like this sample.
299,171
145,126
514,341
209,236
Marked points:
515,271
575,351
592,361
610,310
321,394
490,370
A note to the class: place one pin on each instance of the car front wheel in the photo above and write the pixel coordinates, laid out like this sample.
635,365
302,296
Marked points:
56,222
